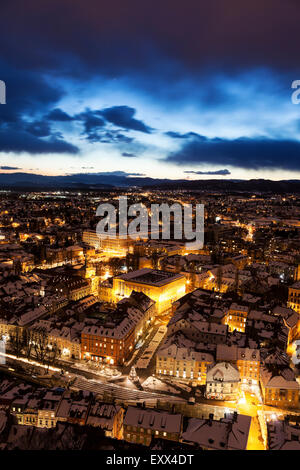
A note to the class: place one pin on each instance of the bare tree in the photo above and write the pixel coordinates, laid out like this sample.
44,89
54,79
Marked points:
219,278
28,342
40,344
17,341
51,354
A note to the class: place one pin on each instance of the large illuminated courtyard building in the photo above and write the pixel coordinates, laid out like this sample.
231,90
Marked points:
162,287
110,246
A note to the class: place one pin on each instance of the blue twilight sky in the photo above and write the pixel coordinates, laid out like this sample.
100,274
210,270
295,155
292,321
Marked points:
166,89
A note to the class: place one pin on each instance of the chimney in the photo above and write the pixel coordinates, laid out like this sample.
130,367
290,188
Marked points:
286,419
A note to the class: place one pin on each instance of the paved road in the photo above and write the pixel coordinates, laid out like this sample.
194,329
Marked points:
146,357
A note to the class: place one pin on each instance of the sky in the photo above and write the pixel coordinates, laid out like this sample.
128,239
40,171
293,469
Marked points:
164,89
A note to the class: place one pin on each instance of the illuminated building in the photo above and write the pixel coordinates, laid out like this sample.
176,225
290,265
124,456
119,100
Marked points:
73,287
222,382
183,363
164,247
113,337
297,273
108,343
39,410
192,325
91,238
279,387
228,433
115,246
236,317
107,416
106,290
110,246
67,342
248,364
246,360
141,425
291,321
162,287
294,297
220,279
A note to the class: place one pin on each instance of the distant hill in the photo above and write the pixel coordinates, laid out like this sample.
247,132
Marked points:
95,181
253,185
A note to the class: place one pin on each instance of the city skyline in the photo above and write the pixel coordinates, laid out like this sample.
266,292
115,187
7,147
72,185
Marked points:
149,228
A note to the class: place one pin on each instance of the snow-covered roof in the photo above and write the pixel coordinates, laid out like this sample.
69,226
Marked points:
223,372
152,419
231,432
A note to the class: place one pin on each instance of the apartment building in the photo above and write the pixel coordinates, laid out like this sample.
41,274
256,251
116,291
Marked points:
38,409
236,317
228,433
141,425
112,338
246,360
294,297
222,382
279,387
107,416
183,363
196,328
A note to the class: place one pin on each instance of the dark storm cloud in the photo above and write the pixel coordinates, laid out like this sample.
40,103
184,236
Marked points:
108,125
123,116
92,124
128,154
38,128
59,115
217,172
32,137
20,141
29,95
256,153
172,51
187,135
5,167
116,39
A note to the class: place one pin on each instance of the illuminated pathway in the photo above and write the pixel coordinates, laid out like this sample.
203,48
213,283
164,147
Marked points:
99,387
30,361
120,392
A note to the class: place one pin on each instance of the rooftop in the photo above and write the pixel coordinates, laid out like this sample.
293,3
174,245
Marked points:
151,277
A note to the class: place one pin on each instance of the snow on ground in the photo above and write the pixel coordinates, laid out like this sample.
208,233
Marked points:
147,355
180,384
152,383
101,370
